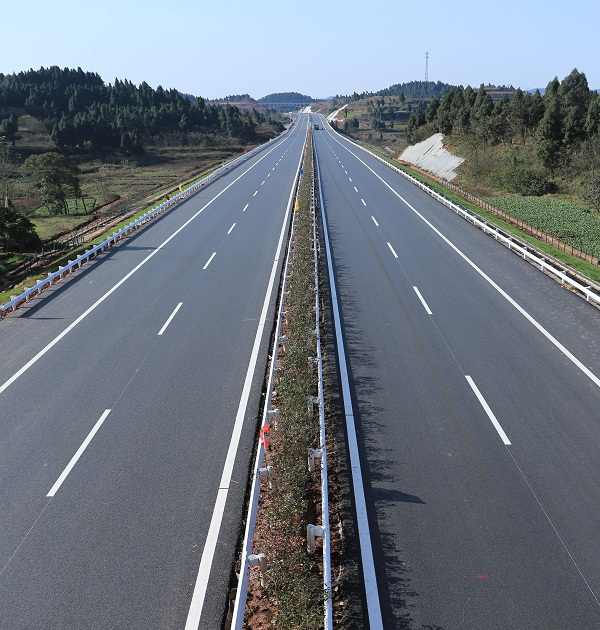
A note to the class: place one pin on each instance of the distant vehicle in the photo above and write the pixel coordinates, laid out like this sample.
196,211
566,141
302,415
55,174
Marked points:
317,127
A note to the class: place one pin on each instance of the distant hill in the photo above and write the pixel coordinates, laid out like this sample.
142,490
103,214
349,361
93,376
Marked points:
417,89
242,101
83,114
286,97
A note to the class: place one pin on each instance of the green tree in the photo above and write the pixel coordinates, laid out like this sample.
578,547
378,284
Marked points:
480,116
17,233
592,122
574,95
9,128
57,179
518,114
550,137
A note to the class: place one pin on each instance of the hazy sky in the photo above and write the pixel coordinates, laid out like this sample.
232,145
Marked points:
223,47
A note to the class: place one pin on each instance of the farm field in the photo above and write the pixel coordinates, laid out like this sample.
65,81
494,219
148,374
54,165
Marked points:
570,222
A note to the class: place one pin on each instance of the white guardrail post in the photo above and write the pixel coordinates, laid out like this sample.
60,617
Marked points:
16,301
559,274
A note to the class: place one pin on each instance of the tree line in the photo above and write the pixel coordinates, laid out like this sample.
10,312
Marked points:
82,113
563,126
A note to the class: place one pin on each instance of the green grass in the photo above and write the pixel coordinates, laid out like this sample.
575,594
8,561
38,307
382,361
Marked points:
49,227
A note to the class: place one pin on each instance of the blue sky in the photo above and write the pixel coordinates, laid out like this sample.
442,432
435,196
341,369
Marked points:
226,47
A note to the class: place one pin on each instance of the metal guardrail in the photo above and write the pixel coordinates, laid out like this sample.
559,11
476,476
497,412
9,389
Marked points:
546,264
52,278
322,436
248,557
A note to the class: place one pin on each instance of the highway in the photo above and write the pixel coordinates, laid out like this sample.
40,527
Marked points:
128,402
475,385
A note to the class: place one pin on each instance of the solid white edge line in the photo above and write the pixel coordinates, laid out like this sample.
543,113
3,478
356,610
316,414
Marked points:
360,504
502,292
374,220
78,454
209,261
423,302
231,228
126,277
202,579
489,412
162,330
392,250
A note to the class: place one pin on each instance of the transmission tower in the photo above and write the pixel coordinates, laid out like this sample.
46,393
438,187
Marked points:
427,66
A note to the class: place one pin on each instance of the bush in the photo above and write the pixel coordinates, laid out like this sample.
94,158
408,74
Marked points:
520,180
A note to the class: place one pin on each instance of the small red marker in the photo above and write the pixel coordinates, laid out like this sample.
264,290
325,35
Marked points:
480,576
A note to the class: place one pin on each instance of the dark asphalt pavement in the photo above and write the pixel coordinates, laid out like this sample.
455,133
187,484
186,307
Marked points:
119,543
468,531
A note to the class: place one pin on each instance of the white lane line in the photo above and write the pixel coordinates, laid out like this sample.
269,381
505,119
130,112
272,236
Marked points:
126,277
245,207
364,202
392,250
345,171
355,188
502,292
350,178
268,174
203,576
78,454
489,412
231,228
263,182
162,330
423,302
256,193
209,260
375,221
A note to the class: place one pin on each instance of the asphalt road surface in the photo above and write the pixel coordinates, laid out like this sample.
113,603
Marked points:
120,391
476,394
